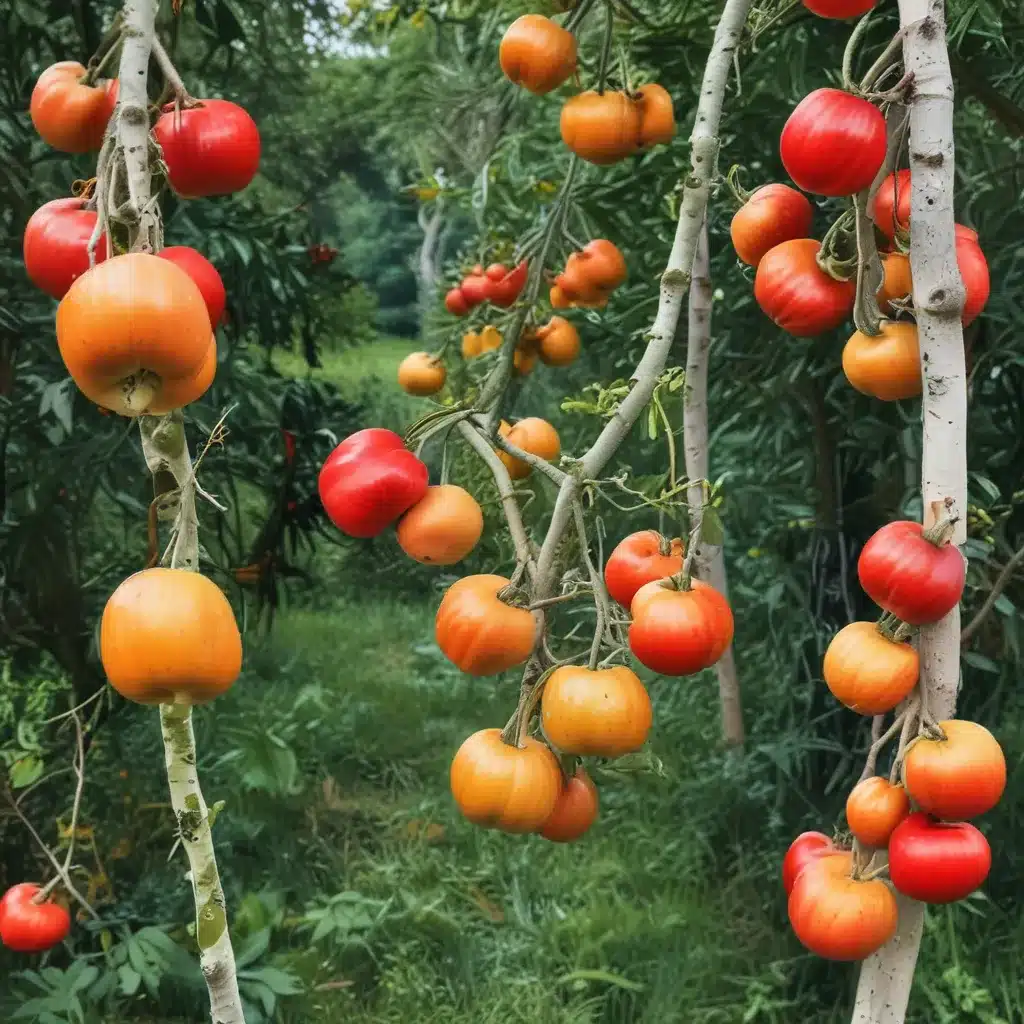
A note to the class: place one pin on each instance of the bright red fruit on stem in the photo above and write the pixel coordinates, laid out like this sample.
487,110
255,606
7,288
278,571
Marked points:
772,215
205,275
210,150
959,775
575,810
68,114
369,480
455,302
679,632
807,847
910,576
506,288
839,8
28,927
56,245
891,209
833,143
797,294
838,916
937,861
476,288
973,269
638,559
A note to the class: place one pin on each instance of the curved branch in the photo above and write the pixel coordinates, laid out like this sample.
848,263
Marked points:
998,587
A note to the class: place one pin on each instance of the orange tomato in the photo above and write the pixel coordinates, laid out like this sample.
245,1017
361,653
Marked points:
958,777
559,342
496,785
537,54
887,366
134,334
772,215
68,115
601,128
524,360
167,635
874,808
599,713
479,632
442,527
897,282
421,374
868,672
592,274
657,120
575,810
532,435
839,917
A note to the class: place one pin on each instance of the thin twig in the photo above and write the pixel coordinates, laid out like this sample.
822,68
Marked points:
1002,580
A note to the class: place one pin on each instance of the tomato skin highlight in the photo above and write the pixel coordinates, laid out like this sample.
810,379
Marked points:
638,560
28,927
806,848
455,302
937,861
909,576
874,808
961,776
772,215
797,294
838,917
679,632
369,480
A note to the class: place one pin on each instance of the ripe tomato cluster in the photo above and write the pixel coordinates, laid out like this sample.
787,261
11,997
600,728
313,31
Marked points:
952,771
497,285
371,482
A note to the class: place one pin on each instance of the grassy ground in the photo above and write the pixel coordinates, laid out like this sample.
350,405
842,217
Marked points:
350,368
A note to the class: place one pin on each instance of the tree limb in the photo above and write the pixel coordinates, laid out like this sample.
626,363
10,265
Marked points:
998,587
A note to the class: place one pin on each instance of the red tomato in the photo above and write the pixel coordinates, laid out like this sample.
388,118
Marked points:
891,209
973,269
839,8
772,215
210,150
575,810
833,143
476,289
679,632
797,294
28,927
56,245
840,917
638,559
937,861
496,271
960,776
455,302
205,275
289,445
909,576
505,290
369,480
807,847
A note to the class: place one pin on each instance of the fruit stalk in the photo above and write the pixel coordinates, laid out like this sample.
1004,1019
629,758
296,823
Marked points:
709,560
675,283
886,976
165,447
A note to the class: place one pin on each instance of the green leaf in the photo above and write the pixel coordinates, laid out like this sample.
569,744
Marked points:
711,531
652,422
253,948
980,662
606,976
25,771
129,980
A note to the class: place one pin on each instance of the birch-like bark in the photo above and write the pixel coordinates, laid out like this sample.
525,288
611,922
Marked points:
709,560
886,977
166,449
428,266
675,282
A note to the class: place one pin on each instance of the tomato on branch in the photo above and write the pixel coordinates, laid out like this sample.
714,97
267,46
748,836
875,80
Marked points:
575,810
937,861
874,808
592,274
30,927
56,245
638,559
807,847
867,671
887,365
69,115
421,374
204,274
532,435
772,215
442,527
537,54
369,480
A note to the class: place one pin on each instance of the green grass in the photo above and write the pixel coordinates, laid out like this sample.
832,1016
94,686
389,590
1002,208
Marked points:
350,368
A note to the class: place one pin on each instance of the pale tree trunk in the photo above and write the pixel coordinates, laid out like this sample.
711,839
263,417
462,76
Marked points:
887,976
166,450
709,560
428,264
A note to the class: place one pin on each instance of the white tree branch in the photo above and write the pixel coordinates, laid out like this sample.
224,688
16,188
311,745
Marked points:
708,559
886,977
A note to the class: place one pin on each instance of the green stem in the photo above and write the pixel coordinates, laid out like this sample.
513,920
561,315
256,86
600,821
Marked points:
851,51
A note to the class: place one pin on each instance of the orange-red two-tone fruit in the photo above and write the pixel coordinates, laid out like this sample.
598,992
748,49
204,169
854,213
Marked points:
135,336
169,635
532,435
867,671
537,54
442,527
575,810
874,808
497,785
69,115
